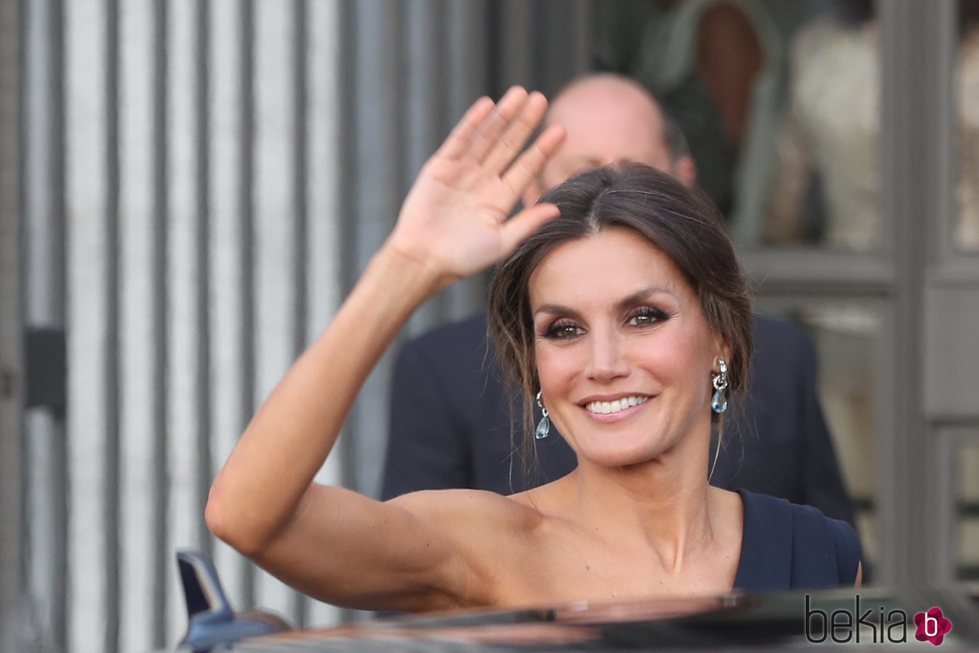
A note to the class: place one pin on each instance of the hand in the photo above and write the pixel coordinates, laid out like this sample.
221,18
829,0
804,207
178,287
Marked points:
455,218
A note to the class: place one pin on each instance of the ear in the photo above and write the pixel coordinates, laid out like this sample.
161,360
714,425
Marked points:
531,193
721,349
685,170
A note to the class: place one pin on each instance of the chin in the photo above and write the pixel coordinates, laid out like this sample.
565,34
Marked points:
629,446
624,455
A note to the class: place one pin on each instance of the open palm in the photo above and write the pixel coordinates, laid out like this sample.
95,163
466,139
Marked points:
456,216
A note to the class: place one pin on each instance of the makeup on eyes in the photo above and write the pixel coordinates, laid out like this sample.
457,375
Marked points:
650,315
640,317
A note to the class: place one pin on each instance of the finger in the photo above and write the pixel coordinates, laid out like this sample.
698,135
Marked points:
530,164
525,224
460,139
509,106
512,139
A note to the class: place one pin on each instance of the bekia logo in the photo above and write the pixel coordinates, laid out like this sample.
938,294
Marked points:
873,624
932,626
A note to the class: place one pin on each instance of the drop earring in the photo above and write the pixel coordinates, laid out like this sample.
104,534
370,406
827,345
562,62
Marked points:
718,402
544,425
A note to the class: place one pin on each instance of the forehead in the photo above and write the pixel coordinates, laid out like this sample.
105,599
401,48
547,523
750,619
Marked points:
608,111
603,268
602,130
607,104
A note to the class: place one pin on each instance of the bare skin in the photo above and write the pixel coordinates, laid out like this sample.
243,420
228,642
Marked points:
609,120
729,58
642,526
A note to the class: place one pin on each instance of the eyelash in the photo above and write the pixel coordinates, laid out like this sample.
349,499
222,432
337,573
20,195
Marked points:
646,316
560,330
653,314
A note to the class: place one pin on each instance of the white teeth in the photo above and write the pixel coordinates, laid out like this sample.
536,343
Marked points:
608,407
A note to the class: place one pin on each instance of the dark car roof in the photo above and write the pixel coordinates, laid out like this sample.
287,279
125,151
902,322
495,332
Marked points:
846,619
736,622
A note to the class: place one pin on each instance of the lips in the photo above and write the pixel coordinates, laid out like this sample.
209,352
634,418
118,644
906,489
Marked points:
616,405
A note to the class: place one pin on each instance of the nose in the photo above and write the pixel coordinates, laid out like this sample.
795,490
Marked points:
607,360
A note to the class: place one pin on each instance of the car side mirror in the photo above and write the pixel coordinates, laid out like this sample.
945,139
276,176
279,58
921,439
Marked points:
211,621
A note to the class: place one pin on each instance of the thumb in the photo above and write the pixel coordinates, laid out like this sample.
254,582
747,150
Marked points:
531,193
525,224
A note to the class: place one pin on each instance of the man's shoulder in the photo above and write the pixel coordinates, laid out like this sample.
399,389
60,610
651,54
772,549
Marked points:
459,349
771,326
780,338
464,336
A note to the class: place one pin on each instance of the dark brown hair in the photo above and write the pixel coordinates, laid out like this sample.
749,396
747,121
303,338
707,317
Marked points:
680,223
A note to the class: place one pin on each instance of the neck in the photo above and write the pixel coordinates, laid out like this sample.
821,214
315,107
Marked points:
664,503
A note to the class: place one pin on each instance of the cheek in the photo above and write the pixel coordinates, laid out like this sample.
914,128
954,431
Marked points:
681,356
556,366
682,362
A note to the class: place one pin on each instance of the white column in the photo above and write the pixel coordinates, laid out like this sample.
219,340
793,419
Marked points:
86,185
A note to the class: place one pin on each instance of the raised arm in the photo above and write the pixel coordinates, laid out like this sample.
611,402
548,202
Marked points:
331,542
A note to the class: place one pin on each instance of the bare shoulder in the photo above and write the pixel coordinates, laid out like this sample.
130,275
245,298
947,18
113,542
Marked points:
727,512
470,510
492,538
727,500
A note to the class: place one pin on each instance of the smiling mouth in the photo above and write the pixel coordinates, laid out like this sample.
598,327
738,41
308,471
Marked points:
617,406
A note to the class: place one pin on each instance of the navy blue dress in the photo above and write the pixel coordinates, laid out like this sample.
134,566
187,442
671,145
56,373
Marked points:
790,547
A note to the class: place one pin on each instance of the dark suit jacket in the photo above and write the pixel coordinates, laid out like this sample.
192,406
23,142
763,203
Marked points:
450,422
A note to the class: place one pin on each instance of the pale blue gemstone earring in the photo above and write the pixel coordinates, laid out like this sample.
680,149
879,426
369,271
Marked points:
718,402
544,425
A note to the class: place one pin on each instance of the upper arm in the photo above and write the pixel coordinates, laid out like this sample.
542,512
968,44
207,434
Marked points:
421,552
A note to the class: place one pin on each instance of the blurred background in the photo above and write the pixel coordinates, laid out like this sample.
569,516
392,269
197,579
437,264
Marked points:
189,187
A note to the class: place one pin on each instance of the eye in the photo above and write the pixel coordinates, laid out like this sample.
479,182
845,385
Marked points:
646,316
563,330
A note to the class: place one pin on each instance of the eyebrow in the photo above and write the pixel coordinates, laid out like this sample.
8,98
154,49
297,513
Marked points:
630,300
